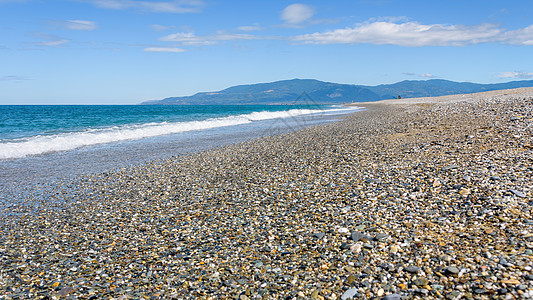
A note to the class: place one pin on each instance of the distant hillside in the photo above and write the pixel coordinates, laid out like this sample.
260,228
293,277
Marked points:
439,87
287,91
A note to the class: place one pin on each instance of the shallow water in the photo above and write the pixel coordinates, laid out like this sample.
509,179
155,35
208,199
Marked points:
35,177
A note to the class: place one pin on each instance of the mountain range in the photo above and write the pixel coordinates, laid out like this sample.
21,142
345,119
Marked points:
289,91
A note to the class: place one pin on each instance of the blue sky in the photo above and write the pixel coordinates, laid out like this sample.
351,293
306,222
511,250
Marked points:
128,51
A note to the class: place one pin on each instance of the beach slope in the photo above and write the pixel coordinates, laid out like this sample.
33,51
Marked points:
422,198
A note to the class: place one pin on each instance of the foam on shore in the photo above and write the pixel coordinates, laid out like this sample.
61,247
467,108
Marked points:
68,141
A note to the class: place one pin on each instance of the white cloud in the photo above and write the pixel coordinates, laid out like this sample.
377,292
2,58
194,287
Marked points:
221,36
410,34
516,74
49,40
172,7
177,6
53,43
111,4
296,14
76,24
187,39
423,75
13,77
250,28
427,75
522,36
157,27
388,31
190,39
164,49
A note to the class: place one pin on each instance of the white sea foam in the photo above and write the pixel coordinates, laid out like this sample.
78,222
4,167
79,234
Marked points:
69,141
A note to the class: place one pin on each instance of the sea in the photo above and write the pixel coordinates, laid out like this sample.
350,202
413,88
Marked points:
41,145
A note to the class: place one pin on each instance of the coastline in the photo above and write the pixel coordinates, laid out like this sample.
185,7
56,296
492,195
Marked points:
38,174
420,198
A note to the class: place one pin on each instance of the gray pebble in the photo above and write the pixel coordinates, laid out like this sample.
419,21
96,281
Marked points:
357,236
349,294
393,297
412,269
345,246
517,193
452,270
451,167
319,235
381,237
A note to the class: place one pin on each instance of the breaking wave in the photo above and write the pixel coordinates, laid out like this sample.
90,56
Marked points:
40,144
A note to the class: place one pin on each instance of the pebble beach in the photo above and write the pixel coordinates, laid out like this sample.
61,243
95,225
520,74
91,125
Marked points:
427,198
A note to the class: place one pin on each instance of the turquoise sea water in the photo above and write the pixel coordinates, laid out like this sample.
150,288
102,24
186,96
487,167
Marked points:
40,145
20,121
35,130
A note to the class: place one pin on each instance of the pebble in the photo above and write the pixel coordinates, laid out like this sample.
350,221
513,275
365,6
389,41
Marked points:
319,235
349,294
452,270
359,227
393,297
451,167
421,281
337,210
518,193
381,237
358,236
412,269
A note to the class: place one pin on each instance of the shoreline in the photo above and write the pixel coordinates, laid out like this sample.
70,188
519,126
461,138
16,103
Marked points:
40,173
393,200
